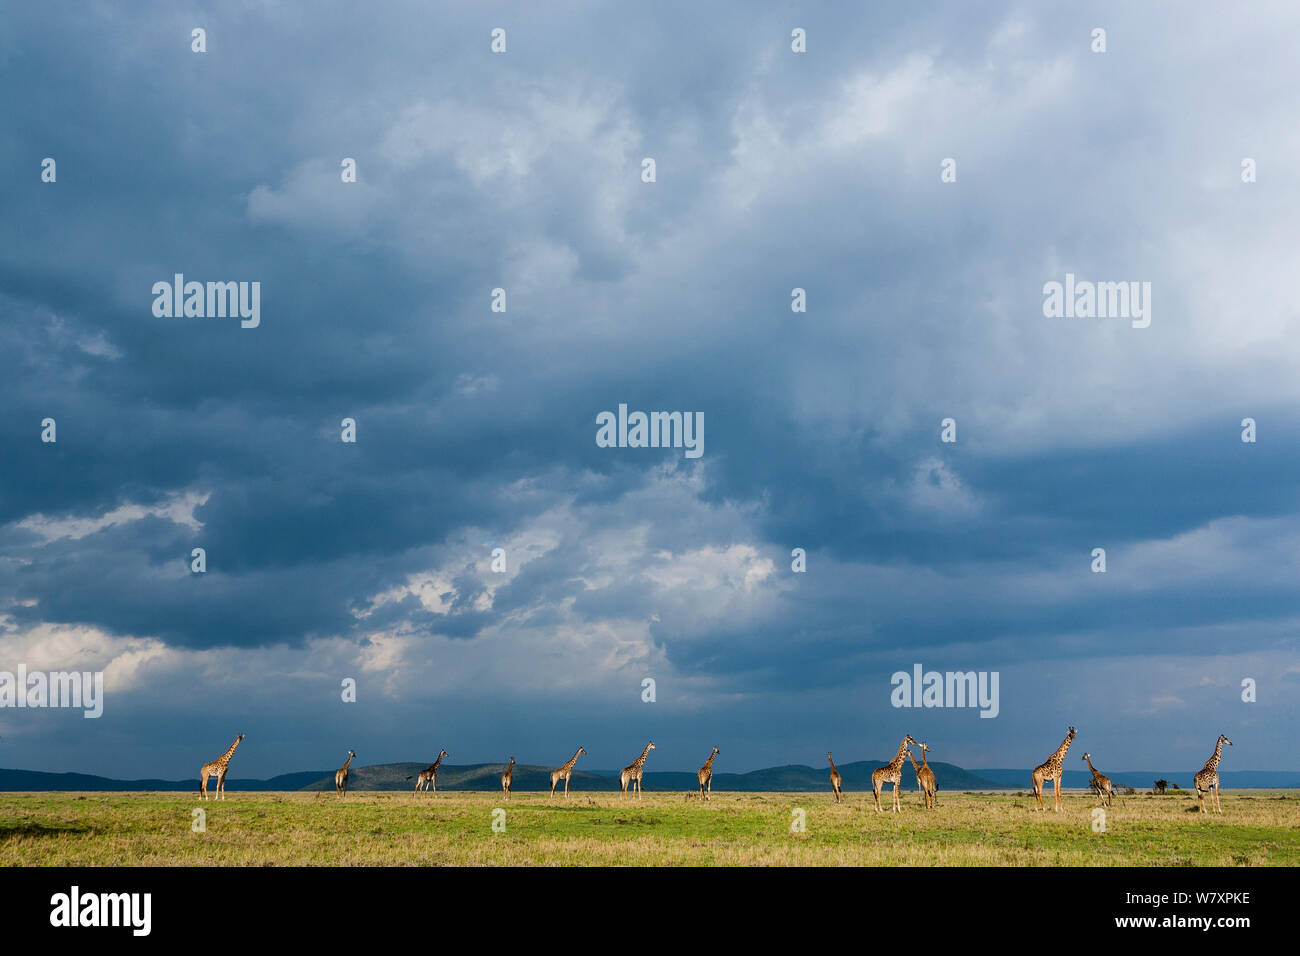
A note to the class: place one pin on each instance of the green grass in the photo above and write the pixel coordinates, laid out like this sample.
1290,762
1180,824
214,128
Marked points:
1257,828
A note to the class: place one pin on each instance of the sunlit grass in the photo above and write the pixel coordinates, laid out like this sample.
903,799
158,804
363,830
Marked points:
1257,828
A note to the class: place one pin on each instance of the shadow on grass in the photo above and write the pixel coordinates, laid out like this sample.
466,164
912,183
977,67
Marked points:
14,831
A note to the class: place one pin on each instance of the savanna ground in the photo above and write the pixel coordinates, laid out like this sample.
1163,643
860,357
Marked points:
1257,828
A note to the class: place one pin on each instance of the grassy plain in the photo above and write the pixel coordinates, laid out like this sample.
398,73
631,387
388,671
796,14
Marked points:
1257,828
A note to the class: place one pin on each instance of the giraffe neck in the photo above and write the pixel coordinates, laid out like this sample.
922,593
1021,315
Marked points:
572,760
912,758
436,764
641,759
1213,762
347,763
925,760
512,765
832,762
1090,766
1061,750
225,757
898,758
708,764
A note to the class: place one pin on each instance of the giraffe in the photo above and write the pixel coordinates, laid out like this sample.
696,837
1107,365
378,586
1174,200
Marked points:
925,776
563,773
1100,782
891,773
428,777
1051,770
632,774
1208,778
217,769
837,782
508,777
705,775
341,776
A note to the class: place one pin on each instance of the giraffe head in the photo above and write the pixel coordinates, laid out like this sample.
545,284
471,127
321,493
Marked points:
581,750
908,741
828,755
351,754
443,753
1224,739
716,751
239,738
651,746
1085,757
1070,735
925,748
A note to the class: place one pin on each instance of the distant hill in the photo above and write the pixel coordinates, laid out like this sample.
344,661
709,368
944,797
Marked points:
11,780
794,778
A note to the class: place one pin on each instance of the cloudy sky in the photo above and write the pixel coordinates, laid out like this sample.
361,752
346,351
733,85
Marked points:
476,429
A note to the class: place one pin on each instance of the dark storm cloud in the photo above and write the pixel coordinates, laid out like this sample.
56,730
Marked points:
522,171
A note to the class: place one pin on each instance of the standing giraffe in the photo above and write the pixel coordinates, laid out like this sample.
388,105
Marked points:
428,777
1207,779
563,773
927,777
632,774
217,769
705,775
1100,782
1051,770
508,777
891,773
341,777
837,782
924,777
